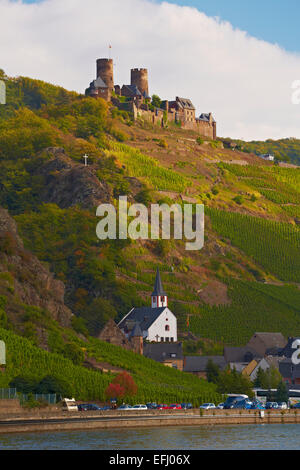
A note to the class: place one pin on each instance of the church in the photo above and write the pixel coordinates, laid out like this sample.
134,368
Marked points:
157,323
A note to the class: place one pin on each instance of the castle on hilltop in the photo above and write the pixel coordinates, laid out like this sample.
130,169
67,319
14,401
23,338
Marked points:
135,99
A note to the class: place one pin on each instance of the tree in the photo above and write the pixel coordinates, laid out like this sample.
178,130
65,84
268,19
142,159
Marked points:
23,384
115,391
51,384
282,393
127,383
156,101
212,371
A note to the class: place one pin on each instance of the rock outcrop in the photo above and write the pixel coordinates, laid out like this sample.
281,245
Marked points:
67,183
32,283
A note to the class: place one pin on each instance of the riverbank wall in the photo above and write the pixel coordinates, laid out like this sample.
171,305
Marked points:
56,420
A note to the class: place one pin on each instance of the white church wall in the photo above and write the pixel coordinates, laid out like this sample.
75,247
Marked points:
157,330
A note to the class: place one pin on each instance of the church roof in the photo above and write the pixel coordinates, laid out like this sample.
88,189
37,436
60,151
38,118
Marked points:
158,288
145,316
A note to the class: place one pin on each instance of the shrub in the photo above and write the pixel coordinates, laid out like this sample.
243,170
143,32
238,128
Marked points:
200,141
238,199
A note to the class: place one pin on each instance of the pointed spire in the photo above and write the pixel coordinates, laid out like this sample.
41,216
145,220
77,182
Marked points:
158,288
136,331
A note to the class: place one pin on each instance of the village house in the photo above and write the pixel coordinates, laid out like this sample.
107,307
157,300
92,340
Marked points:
169,354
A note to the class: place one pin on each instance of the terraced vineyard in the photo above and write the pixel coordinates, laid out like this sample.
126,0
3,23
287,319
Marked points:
155,381
273,245
255,307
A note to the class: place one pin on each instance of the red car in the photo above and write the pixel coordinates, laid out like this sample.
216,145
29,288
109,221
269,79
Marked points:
175,406
162,407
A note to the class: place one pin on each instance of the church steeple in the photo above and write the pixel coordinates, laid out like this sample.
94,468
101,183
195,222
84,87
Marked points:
158,297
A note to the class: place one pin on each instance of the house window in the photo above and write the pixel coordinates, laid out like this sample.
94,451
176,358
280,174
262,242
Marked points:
167,339
162,299
172,340
167,328
173,354
162,339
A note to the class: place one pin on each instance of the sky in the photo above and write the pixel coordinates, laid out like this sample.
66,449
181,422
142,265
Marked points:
236,58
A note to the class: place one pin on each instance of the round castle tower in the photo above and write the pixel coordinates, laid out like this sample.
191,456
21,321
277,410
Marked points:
105,70
139,77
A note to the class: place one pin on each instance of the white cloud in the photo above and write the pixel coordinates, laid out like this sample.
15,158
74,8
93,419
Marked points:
244,81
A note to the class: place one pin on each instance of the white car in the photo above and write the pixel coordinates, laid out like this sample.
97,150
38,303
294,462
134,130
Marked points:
220,406
207,406
282,405
139,407
125,407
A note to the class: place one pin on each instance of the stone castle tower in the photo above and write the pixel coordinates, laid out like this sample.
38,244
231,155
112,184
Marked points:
139,77
105,70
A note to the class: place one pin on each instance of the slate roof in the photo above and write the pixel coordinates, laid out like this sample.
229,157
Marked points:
204,117
134,90
199,363
288,351
145,316
240,354
185,103
99,83
158,288
161,352
268,340
289,370
136,331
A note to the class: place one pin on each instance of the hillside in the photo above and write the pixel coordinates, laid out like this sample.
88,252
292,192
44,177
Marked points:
285,150
245,279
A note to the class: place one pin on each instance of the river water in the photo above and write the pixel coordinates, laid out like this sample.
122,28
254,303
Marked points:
242,437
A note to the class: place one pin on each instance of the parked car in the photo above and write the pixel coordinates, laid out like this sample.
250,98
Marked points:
162,407
175,406
207,406
296,405
88,407
186,406
220,406
125,407
244,404
282,405
271,405
139,407
152,406
105,408
257,405
232,399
